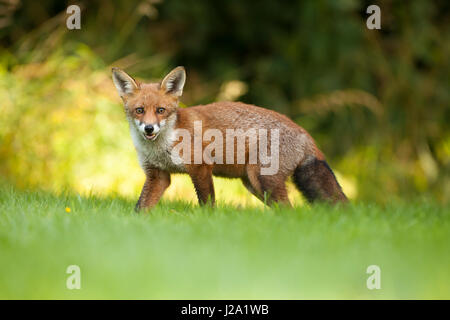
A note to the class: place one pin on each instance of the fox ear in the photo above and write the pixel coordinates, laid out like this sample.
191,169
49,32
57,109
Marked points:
125,84
173,83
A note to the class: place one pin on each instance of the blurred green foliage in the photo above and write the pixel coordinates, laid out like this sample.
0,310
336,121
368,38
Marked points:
376,101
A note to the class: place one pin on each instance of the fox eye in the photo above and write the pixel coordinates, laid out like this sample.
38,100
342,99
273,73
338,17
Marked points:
160,110
139,110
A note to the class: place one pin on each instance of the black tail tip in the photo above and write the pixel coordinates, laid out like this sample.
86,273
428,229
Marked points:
316,181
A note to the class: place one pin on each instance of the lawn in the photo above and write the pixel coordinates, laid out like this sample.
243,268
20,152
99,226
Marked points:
181,251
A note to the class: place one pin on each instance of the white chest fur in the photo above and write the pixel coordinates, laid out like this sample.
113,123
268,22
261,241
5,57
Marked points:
156,153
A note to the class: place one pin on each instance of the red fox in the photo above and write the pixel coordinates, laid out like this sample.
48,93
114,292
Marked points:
157,124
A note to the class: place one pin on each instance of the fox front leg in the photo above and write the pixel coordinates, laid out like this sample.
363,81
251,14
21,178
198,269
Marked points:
156,182
201,177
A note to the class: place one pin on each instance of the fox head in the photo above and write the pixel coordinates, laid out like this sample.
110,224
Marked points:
150,105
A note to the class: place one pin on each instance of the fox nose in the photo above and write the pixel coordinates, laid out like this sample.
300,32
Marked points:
148,129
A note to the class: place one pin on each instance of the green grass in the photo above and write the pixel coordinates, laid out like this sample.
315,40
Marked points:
182,251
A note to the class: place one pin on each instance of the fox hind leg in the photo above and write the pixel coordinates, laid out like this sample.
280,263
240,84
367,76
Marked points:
251,189
269,189
274,189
